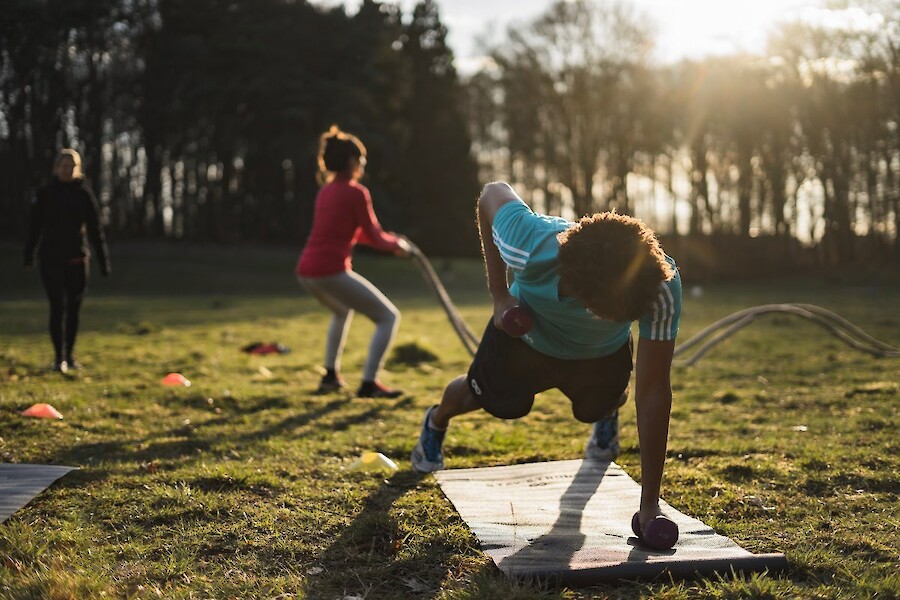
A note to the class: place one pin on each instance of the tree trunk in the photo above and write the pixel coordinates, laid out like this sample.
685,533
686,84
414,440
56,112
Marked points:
699,188
744,192
670,187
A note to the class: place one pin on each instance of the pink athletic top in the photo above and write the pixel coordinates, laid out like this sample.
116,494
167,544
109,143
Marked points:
343,217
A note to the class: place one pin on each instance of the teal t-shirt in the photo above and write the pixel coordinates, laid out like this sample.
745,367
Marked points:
563,327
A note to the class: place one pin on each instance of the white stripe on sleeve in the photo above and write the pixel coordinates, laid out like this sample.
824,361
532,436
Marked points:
670,317
663,311
514,257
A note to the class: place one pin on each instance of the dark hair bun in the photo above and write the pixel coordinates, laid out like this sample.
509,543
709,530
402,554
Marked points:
337,153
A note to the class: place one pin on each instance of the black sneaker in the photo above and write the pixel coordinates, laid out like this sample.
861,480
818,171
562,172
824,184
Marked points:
73,364
376,389
330,384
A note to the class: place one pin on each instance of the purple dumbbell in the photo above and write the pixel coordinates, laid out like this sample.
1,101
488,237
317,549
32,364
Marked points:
516,321
661,533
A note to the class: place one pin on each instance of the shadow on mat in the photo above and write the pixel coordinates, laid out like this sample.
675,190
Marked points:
553,551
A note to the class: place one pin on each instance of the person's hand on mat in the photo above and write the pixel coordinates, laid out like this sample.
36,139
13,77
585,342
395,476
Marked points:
654,528
648,514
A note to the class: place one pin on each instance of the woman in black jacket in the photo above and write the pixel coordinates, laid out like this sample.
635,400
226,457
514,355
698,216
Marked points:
61,214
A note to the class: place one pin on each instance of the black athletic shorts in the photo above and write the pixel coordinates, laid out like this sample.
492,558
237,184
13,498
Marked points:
506,373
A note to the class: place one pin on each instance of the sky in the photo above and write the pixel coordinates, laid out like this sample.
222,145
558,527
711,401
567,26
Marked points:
685,28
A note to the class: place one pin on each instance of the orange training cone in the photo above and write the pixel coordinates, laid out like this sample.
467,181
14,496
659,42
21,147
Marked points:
173,379
42,411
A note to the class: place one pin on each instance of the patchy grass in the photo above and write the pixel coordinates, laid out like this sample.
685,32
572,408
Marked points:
782,438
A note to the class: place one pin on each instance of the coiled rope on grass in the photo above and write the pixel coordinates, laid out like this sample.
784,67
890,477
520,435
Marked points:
707,338
833,323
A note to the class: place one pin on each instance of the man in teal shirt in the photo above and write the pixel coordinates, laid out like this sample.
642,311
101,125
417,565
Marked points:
584,283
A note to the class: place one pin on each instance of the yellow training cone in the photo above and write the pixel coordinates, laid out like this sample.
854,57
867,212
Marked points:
373,461
42,411
174,379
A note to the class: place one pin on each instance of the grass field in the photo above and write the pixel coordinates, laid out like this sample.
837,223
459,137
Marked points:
238,486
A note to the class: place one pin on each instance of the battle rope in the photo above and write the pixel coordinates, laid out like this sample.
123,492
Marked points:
838,326
835,324
466,336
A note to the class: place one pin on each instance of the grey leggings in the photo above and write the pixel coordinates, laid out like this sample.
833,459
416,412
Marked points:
343,294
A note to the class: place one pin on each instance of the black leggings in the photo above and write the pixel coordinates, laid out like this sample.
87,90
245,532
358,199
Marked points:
65,285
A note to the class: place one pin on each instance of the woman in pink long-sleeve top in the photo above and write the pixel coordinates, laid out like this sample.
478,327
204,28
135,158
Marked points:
343,218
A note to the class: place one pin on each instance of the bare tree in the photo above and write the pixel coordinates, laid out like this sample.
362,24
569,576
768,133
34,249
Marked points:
566,80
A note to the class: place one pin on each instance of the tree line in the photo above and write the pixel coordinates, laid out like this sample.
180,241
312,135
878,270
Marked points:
199,120
801,144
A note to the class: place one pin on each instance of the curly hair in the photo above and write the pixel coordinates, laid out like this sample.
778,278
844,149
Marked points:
336,148
613,264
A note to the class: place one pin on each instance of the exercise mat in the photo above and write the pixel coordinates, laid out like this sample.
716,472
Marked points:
570,522
20,483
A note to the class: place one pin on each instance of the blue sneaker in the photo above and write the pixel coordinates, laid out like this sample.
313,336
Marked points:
604,441
427,457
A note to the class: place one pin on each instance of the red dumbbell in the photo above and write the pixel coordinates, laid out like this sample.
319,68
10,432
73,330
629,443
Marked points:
661,533
516,321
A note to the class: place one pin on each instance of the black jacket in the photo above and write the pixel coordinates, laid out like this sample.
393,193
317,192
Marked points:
61,215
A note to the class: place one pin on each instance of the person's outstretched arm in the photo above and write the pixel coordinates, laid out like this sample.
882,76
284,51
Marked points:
653,400
653,388
492,198
372,234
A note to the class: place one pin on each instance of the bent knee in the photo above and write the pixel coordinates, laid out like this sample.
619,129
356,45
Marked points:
591,412
394,313
587,415
507,408
507,413
388,315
